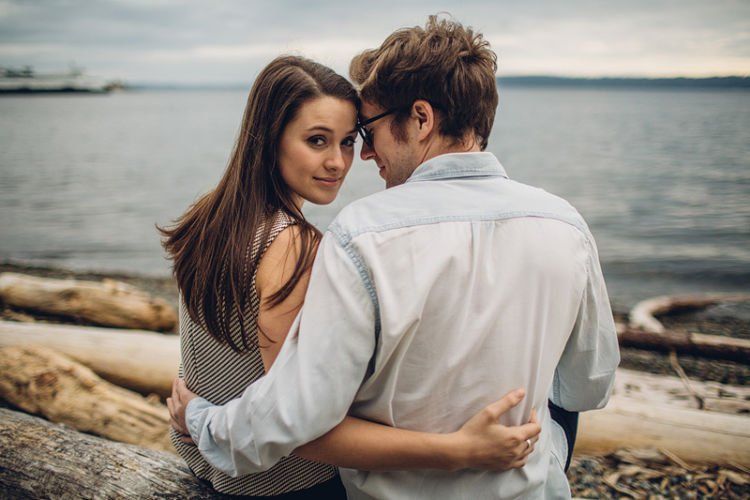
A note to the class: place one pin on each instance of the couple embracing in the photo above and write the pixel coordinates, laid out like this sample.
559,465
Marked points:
423,303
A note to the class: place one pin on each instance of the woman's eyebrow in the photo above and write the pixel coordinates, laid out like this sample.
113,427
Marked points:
328,129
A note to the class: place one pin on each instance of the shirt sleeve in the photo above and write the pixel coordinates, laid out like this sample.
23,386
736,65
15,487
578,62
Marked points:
310,386
586,372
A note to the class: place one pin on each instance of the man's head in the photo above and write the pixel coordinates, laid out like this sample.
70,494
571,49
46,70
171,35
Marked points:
437,86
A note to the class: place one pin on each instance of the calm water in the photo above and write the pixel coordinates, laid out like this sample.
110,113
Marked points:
663,177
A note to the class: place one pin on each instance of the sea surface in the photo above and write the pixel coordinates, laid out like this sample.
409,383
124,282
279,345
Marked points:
662,176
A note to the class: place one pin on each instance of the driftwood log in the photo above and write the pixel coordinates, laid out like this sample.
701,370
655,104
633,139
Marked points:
645,331
39,459
698,344
145,362
41,381
643,315
695,436
674,392
109,303
654,411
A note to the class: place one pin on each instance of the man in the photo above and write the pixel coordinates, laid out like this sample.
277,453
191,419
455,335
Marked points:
430,298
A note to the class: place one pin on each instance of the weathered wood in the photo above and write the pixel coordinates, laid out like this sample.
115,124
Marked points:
693,435
109,303
145,362
643,314
672,392
707,346
39,459
41,381
655,411
645,331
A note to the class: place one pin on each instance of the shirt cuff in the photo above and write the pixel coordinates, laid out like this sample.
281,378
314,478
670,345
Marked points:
196,414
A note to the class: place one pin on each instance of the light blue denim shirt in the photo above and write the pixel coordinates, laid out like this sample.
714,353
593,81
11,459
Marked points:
428,301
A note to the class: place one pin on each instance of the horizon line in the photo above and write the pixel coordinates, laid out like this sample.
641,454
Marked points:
531,79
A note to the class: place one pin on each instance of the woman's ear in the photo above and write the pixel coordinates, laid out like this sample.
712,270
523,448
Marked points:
424,114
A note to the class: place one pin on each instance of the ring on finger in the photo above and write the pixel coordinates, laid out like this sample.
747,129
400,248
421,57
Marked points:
528,444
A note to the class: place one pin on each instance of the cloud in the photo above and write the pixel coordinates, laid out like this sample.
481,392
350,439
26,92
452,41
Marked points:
227,40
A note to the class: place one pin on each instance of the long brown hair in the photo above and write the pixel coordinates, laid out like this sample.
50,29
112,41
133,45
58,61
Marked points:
209,244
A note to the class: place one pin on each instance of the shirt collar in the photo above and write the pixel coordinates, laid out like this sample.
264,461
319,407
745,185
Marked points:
457,165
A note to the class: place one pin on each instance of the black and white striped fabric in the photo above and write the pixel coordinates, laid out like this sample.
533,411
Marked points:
219,374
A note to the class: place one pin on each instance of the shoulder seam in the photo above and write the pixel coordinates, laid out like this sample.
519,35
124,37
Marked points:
344,240
576,222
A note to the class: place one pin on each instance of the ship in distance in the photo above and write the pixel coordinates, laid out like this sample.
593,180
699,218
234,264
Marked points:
27,81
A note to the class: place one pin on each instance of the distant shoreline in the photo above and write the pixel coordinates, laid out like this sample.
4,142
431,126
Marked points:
717,83
724,82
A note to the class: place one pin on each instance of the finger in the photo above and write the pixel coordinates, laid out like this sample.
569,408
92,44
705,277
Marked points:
173,420
173,416
177,426
527,450
517,464
532,418
187,440
182,389
173,410
507,402
175,392
526,447
528,431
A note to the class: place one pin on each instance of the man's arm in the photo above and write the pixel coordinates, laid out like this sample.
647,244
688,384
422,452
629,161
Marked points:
312,383
586,371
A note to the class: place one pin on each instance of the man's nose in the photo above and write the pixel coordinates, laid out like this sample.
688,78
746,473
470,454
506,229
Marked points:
366,153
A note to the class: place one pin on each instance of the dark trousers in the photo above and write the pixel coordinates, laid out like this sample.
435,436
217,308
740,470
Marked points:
568,420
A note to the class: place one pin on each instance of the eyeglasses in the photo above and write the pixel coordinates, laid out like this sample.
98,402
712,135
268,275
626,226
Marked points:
366,135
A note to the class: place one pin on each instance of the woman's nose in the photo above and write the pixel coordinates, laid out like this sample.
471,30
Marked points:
335,161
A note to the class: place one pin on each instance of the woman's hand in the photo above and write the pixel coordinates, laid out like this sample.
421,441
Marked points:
177,405
485,443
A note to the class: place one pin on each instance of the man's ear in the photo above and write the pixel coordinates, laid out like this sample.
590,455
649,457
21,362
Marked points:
424,114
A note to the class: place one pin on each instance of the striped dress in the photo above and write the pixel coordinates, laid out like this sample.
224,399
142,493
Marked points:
219,374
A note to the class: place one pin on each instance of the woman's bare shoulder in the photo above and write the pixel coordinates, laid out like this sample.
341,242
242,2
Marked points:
278,261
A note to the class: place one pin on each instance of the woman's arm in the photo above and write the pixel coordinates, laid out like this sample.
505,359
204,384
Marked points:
355,443
482,443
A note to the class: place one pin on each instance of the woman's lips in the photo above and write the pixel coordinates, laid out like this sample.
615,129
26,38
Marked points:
328,181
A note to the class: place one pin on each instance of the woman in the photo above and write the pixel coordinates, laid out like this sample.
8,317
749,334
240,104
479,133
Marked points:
242,256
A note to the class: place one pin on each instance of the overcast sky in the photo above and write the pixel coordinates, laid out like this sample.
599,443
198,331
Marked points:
228,41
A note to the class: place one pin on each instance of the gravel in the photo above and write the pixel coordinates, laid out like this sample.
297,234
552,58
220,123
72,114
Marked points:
652,474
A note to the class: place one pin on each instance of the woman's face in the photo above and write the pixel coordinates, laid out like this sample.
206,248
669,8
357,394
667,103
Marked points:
317,148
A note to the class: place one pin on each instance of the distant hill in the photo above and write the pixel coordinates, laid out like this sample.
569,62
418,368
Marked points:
724,82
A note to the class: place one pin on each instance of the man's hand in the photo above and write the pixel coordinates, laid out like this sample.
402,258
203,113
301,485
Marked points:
177,404
486,444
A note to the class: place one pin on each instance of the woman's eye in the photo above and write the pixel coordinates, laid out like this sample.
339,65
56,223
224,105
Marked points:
317,140
349,142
